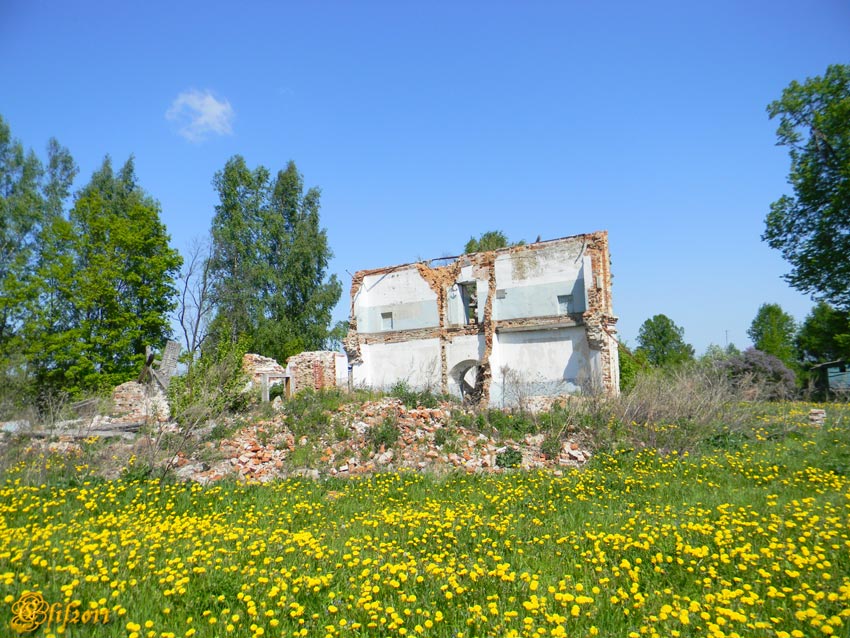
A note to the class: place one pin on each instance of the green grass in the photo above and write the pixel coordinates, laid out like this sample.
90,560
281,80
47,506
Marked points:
748,537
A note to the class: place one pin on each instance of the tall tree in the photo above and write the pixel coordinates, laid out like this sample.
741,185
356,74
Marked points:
269,261
662,342
824,335
773,331
107,286
236,262
30,196
812,227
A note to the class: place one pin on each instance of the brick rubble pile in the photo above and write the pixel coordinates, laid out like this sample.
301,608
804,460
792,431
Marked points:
268,449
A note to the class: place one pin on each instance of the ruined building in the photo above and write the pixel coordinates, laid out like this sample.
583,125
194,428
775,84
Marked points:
497,328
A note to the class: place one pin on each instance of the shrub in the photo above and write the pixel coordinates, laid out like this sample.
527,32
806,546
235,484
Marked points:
681,409
760,375
211,387
631,364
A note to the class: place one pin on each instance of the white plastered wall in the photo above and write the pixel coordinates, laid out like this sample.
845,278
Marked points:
403,294
416,362
531,363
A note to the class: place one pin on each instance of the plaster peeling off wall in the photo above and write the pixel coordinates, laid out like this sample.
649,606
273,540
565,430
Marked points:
494,327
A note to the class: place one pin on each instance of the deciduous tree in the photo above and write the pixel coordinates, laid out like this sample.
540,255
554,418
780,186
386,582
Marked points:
811,227
30,196
773,331
194,308
106,280
269,261
824,335
490,240
662,342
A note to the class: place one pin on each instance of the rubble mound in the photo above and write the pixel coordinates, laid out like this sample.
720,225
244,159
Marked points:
369,437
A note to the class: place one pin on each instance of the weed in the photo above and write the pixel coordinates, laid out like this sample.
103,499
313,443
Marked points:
635,542
462,419
551,446
385,434
341,432
511,457
309,412
222,430
442,436
303,455
416,399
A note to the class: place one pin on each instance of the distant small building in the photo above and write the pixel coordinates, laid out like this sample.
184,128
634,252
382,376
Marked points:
495,327
832,378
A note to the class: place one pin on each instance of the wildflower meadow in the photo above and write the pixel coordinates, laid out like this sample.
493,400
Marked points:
748,538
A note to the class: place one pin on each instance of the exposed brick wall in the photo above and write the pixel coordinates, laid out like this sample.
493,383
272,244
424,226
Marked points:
255,366
316,370
600,322
134,402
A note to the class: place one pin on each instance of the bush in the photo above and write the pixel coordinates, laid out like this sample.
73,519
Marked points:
681,408
684,395
212,386
760,375
630,366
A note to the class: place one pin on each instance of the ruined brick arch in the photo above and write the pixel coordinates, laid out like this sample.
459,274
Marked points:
466,380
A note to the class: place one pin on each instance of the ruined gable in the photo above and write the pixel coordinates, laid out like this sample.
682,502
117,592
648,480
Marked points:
495,327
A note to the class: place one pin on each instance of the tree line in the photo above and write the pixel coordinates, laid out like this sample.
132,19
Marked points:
88,280
783,352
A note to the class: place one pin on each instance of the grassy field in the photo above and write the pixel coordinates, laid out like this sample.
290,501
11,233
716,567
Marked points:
750,538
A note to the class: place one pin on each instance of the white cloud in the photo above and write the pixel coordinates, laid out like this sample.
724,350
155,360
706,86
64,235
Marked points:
199,114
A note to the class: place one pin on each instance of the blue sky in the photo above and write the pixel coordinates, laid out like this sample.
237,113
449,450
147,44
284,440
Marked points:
426,123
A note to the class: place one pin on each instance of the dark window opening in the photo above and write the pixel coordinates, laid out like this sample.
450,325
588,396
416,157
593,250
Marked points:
469,297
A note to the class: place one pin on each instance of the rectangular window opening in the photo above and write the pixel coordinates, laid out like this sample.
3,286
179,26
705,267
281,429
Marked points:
469,297
386,321
565,304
